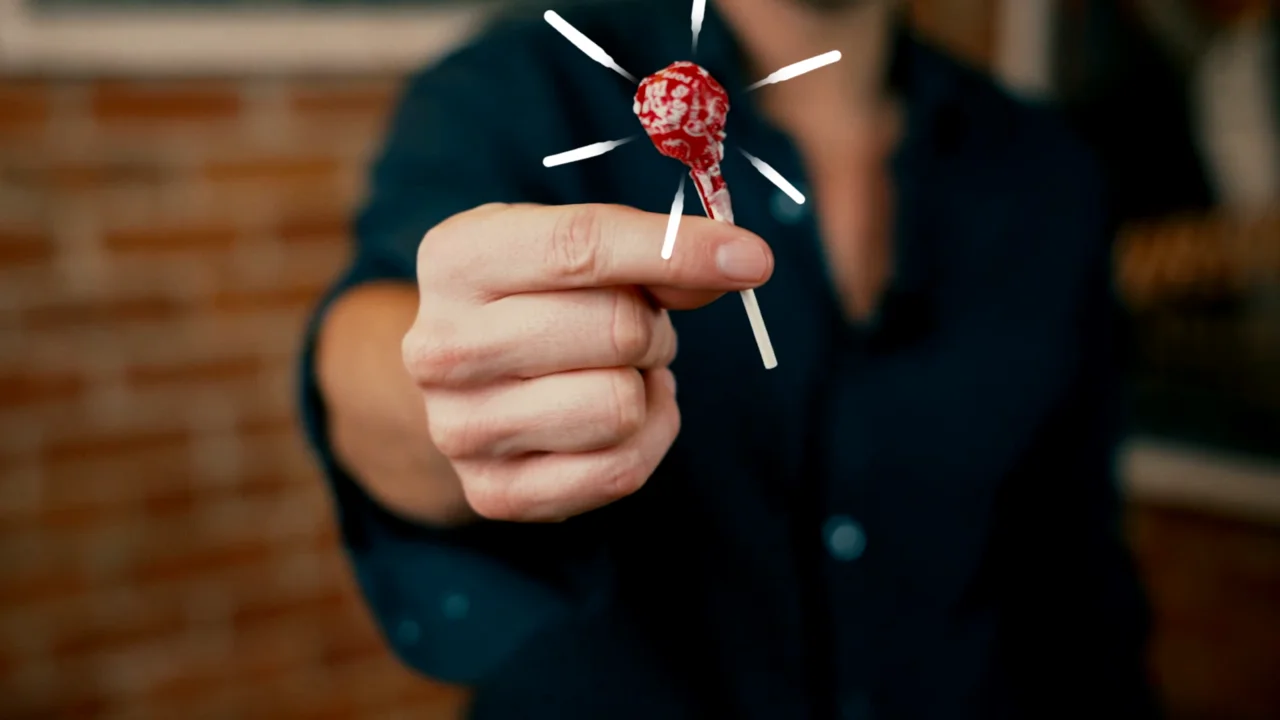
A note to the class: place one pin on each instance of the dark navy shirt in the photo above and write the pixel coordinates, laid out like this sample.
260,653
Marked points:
915,517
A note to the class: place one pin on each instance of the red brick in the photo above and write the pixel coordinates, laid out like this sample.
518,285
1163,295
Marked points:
73,177
370,682
170,239
244,301
291,457
378,686
183,689
89,636
19,247
164,102
79,175
242,570
290,196
328,538
120,505
274,649
77,703
275,169
144,376
31,386
25,103
113,445
42,586
271,610
314,229
77,517
269,484
176,499
299,692
171,389
331,707
277,575
350,642
172,567
268,426
429,698
362,98
80,313
119,479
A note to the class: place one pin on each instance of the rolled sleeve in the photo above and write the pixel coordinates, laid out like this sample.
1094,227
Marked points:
453,604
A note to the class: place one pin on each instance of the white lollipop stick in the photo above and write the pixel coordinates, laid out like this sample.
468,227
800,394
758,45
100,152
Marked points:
718,207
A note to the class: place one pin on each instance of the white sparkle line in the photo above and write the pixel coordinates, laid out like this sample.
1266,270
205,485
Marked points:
582,153
774,177
673,222
699,13
584,43
798,69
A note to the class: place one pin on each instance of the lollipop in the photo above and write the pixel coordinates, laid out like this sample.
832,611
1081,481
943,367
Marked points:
683,109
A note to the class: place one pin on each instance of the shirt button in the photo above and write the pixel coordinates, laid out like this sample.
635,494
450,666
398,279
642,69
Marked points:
456,606
408,632
845,539
785,210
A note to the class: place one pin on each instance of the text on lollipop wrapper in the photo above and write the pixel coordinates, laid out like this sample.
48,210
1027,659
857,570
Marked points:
683,109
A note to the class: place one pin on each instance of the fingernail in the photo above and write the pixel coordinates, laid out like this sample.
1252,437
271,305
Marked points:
669,379
743,260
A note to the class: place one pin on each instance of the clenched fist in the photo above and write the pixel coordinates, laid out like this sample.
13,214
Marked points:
542,342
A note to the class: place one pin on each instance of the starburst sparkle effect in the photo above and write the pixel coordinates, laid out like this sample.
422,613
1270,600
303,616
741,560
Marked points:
710,186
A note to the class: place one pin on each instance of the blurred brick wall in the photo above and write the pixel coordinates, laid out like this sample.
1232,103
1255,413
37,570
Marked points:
166,547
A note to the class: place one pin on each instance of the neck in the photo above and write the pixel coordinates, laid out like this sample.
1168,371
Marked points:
776,33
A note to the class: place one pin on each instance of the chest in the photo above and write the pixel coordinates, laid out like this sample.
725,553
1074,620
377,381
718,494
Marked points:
854,207
944,391
851,194
953,386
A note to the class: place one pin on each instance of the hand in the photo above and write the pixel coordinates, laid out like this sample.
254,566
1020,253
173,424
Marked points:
542,342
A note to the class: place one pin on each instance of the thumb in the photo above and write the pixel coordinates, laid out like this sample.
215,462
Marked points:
730,263
673,298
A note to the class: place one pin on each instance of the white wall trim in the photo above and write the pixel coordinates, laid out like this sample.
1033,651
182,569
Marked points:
1206,481
157,42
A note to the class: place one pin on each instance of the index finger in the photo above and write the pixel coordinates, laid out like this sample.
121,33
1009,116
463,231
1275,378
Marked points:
543,248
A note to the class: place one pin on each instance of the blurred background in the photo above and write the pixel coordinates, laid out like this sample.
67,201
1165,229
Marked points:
176,181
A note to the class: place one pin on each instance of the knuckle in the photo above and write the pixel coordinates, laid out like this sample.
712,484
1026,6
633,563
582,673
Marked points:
669,340
429,249
628,480
574,247
632,330
441,256
454,437
627,402
490,500
490,207
434,356
413,354
428,360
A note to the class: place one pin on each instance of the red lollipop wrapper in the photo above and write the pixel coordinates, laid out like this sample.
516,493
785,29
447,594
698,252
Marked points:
683,109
